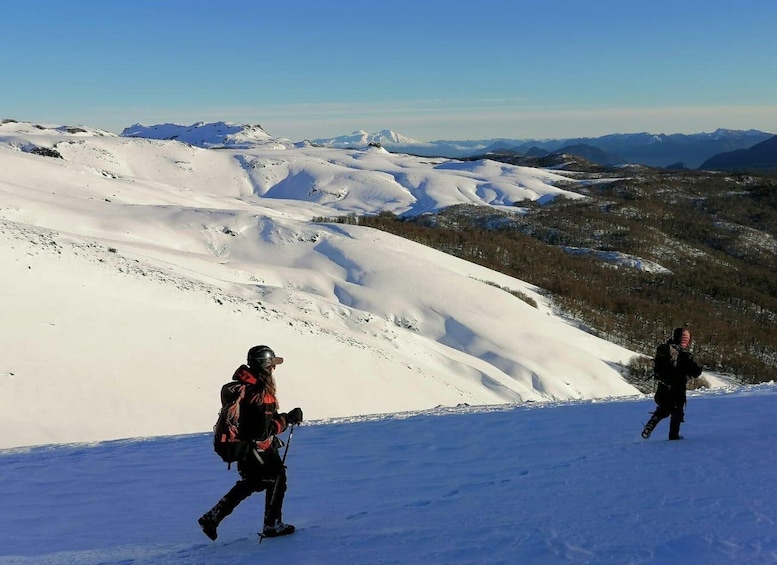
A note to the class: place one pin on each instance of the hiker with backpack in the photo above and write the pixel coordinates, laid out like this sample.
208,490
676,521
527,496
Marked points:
246,432
673,365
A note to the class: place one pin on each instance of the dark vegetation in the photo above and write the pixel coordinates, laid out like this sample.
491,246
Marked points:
46,152
710,240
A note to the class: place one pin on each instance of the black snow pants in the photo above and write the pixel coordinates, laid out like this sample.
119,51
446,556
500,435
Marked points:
670,402
261,471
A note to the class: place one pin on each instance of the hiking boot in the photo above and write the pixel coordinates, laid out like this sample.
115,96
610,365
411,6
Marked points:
208,524
277,529
649,427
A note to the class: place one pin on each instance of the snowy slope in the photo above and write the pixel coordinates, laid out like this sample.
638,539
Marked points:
544,483
135,265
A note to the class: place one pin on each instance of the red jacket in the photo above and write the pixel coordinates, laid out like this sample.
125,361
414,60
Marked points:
259,419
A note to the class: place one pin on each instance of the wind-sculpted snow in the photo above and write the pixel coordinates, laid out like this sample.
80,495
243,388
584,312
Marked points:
373,180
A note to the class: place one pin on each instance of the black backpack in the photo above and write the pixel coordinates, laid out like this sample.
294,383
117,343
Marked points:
225,433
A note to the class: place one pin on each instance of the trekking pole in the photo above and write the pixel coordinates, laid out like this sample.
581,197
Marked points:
278,478
288,443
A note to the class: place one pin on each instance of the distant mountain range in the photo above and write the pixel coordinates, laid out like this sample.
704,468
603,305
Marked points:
655,150
723,149
762,156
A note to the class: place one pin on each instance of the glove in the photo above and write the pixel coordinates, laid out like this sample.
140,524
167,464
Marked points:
294,417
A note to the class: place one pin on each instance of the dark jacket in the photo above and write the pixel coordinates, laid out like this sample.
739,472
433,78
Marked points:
259,419
673,365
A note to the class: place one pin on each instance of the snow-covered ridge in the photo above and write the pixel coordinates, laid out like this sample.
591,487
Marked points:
207,135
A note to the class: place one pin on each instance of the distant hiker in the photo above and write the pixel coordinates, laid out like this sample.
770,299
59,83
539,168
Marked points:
673,365
260,466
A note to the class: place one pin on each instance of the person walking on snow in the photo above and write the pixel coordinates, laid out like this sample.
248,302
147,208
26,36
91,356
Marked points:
259,423
673,365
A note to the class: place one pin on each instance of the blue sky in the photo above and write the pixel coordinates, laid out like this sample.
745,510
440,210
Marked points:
429,70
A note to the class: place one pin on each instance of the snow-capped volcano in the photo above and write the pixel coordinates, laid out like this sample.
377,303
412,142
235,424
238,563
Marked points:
361,138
